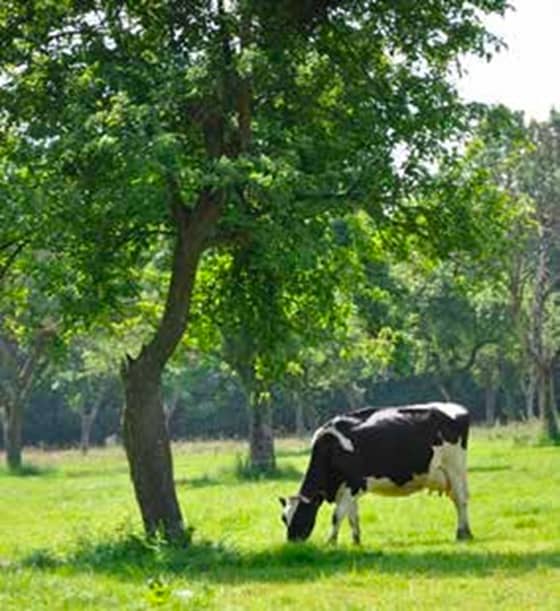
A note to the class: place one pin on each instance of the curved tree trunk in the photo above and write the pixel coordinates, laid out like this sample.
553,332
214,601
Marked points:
148,450
144,429
261,438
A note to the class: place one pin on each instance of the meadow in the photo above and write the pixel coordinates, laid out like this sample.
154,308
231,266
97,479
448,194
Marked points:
71,537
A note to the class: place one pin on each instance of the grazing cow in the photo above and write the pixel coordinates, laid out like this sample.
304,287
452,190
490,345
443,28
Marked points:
393,451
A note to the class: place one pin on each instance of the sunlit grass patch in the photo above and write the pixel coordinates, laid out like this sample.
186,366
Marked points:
72,538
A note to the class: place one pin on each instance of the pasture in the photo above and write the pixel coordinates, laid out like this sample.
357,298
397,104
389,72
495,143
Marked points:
71,537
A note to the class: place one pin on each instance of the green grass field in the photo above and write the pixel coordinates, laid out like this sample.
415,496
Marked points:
70,537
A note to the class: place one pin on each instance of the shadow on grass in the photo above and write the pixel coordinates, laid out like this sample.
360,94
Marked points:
244,472
96,471
132,557
28,470
241,474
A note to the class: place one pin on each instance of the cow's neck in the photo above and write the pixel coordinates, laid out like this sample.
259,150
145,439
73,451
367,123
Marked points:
315,482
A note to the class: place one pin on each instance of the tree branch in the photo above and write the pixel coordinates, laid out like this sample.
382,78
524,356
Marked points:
30,370
12,257
193,229
474,353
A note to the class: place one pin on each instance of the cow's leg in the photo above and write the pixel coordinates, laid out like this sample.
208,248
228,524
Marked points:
344,503
354,519
459,494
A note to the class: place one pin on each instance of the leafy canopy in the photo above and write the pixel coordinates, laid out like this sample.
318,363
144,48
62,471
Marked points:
295,112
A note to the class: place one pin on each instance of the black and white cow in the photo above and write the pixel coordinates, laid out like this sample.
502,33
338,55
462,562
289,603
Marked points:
393,451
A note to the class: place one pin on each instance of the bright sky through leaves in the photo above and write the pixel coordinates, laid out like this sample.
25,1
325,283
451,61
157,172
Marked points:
524,76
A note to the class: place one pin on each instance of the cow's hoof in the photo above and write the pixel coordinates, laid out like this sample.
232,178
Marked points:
464,534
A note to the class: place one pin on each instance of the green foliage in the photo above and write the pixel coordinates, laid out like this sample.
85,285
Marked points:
104,103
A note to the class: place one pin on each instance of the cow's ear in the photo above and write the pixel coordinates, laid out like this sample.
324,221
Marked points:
282,501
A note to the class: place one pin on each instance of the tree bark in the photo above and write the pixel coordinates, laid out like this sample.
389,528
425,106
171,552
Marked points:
169,409
241,357
87,420
145,435
3,417
148,450
542,361
547,405
13,426
490,405
261,438
300,416
530,394
16,389
354,394
444,392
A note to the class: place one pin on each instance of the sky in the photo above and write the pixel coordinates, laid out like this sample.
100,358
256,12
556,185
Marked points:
525,76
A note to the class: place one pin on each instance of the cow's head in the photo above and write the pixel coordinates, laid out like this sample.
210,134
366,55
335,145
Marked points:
298,514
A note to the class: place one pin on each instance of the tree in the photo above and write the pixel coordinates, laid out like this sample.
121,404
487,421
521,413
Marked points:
29,335
21,363
452,315
524,162
267,301
183,127
87,377
541,179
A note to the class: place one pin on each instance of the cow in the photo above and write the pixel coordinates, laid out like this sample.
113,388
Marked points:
391,451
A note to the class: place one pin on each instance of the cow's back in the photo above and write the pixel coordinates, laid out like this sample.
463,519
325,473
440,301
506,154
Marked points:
403,449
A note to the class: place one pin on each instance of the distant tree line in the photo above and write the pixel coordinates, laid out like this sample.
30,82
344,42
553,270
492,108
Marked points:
223,412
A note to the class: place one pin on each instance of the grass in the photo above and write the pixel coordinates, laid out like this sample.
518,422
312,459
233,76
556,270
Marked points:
71,537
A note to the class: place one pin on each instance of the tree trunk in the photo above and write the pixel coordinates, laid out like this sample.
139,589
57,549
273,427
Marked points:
169,409
148,450
354,394
3,416
444,392
13,425
547,406
87,420
144,431
530,394
300,417
17,387
261,439
542,361
490,405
